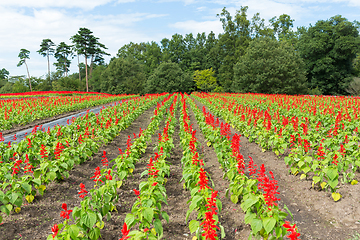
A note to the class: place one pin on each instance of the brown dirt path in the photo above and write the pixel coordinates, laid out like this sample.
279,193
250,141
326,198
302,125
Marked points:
315,213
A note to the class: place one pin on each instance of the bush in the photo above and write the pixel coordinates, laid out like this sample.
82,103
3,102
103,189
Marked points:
168,77
270,67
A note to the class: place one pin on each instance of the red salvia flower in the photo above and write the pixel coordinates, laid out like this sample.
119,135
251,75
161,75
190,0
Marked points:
43,151
203,180
83,191
55,230
137,192
65,214
97,175
108,176
104,161
125,231
292,229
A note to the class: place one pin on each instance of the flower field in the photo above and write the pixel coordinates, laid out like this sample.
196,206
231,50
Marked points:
178,166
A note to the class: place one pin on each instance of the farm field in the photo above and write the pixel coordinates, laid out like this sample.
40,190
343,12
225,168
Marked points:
168,167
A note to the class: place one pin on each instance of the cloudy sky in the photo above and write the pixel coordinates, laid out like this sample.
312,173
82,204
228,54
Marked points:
24,23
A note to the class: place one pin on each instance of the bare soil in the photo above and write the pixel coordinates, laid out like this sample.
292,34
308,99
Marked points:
315,213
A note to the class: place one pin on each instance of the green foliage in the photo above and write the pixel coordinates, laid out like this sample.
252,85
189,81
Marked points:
23,55
169,77
232,44
4,74
328,49
205,80
7,88
354,87
270,66
63,51
121,76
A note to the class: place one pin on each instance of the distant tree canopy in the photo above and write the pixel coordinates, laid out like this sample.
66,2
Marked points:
169,77
328,49
270,66
123,75
205,80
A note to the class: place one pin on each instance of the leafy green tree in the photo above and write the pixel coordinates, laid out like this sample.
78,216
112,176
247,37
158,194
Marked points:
205,79
123,75
328,49
232,43
23,55
282,28
88,45
258,27
46,49
149,54
63,52
270,66
20,86
4,74
169,77
7,88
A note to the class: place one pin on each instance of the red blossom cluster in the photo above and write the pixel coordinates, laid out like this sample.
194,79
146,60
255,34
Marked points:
235,145
65,214
97,175
16,167
83,191
209,221
125,232
292,229
105,160
58,150
28,167
43,151
55,230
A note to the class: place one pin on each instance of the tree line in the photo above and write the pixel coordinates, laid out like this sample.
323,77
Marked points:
249,56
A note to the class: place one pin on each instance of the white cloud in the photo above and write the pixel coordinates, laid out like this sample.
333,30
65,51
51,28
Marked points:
27,31
198,27
83,4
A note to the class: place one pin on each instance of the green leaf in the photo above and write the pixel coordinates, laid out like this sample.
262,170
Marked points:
51,175
269,224
256,225
194,225
332,173
249,217
6,208
223,235
74,231
333,184
89,219
26,187
249,202
287,209
94,234
316,179
148,214
158,227
234,198
165,216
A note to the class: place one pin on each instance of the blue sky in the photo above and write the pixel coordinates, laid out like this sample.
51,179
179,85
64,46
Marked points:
24,23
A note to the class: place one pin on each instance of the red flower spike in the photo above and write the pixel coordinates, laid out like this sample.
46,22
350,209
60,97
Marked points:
55,230
125,231
65,214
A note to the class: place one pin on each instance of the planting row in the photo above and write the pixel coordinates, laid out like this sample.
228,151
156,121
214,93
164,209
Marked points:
26,168
24,110
256,192
319,134
100,201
